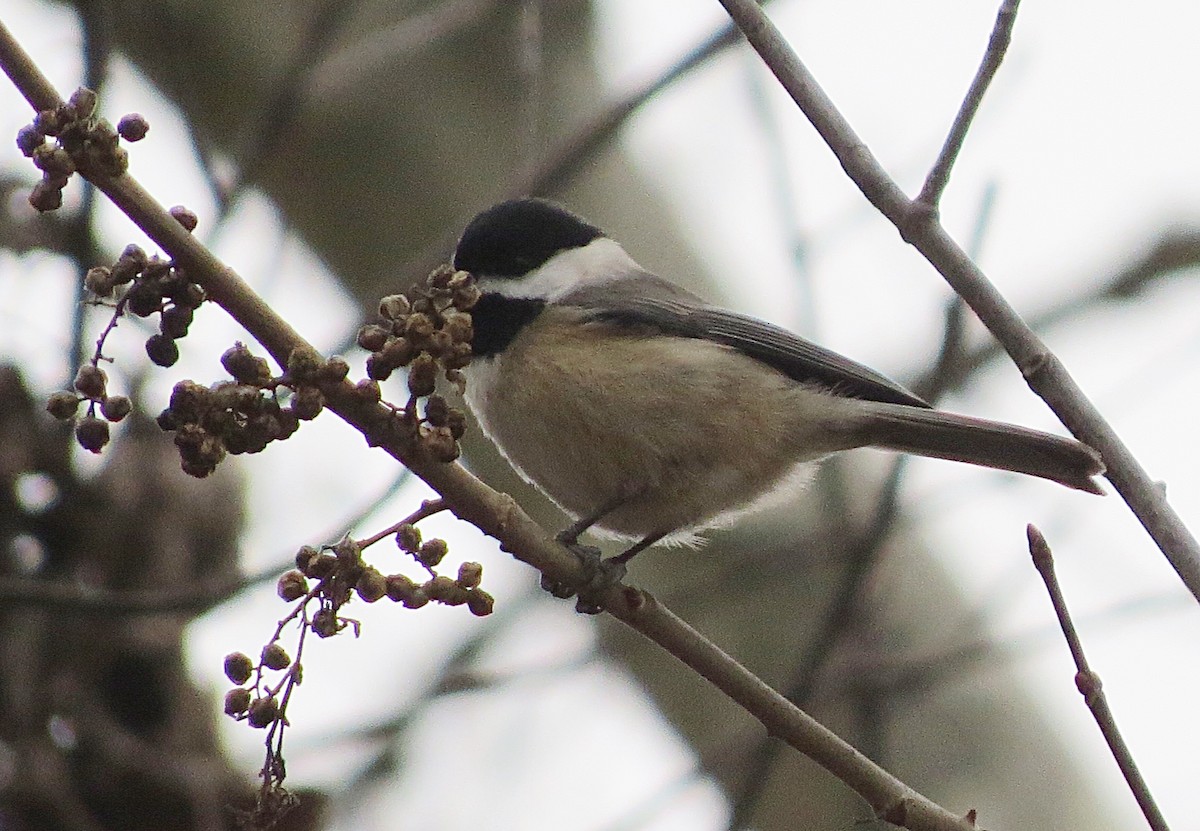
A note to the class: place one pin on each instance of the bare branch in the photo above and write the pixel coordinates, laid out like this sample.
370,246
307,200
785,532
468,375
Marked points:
939,175
918,225
1089,684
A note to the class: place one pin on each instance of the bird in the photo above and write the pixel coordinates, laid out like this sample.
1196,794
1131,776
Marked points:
651,416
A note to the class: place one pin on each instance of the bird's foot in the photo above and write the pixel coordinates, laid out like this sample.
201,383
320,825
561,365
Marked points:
599,575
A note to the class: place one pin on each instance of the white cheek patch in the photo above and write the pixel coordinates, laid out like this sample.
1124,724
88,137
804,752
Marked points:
600,261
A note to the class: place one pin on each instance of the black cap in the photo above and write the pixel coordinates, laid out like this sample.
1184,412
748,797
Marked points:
515,237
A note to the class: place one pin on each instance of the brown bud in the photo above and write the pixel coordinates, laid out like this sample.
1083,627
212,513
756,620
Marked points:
29,139
92,433
115,407
415,599
325,623
371,585
480,603
322,566
175,321
437,411
237,701
368,389
307,403
302,364
440,443
162,350
394,306
291,586
398,352
432,552
399,587
91,381
372,337
408,537
185,217
333,370
456,422
63,405
238,667
46,196
275,656
83,102
142,299
263,712
469,575
245,366
422,375
98,281
444,590
305,557
378,369
133,127
458,326
465,297
53,161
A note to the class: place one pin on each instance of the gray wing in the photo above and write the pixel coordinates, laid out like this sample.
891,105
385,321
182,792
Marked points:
657,305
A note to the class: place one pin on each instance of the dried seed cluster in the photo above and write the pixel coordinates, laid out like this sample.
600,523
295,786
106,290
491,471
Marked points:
245,415
91,385
81,142
428,330
154,286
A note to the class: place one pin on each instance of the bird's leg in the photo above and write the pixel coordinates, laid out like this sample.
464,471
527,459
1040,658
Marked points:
600,574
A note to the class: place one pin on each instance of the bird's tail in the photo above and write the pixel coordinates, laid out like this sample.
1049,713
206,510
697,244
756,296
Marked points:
981,442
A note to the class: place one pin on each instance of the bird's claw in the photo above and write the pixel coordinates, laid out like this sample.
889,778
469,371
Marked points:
599,575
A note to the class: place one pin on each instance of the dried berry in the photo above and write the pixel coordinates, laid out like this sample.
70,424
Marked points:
422,375
185,217
115,407
325,623
99,281
238,667
408,537
307,403
162,350
133,127
263,712
46,196
237,701
29,139
432,552
372,338
371,585
63,405
90,380
399,587
245,366
275,657
292,586
175,321
469,575
92,433
480,603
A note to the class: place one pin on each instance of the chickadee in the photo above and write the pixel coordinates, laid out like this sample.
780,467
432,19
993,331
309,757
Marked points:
649,415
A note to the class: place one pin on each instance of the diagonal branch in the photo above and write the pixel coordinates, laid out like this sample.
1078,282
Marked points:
918,225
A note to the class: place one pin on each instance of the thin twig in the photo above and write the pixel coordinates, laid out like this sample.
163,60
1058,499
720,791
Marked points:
919,226
939,174
1089,684
497,514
